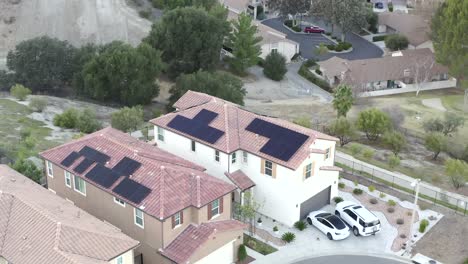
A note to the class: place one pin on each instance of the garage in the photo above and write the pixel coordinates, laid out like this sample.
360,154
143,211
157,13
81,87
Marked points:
315,202
223,255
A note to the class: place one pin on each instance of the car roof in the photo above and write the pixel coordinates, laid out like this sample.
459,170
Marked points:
364,213
324,215
335,221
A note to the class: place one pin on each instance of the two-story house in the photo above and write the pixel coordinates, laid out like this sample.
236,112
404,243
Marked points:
38,227
290,169
179,213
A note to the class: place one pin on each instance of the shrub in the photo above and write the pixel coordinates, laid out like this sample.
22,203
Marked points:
378,38
67,119
391,202
288,23
422,225
356,183
355,149
275,229
20,92
338,199
373,201
341,185
390,7
87,122
261,62
252,243
310,62
304,72
368,153
400,221
38,104
288,237
391,209
300,225
242,253
371,188
328,33
275,66
318,71
382,195
145,13
331,47
357,191
296,28
338,48
396,42
393,161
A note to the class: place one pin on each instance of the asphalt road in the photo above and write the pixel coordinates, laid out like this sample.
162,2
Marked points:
362,49
351,259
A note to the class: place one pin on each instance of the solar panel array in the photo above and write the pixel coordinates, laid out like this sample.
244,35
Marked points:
127,166
283,142
102,175
70,159
94,155
84,165
198,126
132,190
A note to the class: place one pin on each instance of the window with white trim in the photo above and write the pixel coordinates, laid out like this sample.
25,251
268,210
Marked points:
50,169
245,157
120,260
233,158
177,220
119,201
68,180
80,185
217,155
139,218
193,146
327,153
215,208
308,170
268,168
160,134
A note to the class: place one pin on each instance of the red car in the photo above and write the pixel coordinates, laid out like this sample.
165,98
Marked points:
314,30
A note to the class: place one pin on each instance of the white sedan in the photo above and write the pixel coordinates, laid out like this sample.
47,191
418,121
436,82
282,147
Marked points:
331,225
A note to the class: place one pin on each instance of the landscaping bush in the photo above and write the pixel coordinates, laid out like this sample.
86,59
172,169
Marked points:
296,28
391,209
390,7
288,237
355,149
328,33
338,199
275,229
373,201
400,221
378,38
368,153
288,23
396,42
20,92
304,72
391,202
38,104
382,195
331,47
300,225
275,66
338,48
318,71
357,191
341,185
422,225
242,253
309,63
371,188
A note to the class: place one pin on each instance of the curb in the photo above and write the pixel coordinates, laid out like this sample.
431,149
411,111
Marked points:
388,256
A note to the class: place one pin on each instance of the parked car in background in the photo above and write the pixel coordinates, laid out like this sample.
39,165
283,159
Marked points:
379,5
331,225
362,221
314,29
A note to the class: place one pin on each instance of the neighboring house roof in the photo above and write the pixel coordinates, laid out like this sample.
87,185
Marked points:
37,226
174,182
414,27
334,66
232,119
238,5
194,236
397,66
240,180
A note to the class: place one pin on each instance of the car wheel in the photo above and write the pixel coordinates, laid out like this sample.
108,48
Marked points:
355,231
329,236
309,221
337,213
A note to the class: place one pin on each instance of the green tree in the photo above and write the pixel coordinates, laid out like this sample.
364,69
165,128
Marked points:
20,92
28,169
43,63
452,123
396,42
436,143
395,141
123,74
190,39
373,123
7,80
38,104
343,129
274,66
448,33
87,121
127,119
83,55
290,7
457,170
244,43
247,211
68,119
220,84
242,253
343,99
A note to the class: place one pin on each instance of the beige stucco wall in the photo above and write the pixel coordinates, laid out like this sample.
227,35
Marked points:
128,258
216,241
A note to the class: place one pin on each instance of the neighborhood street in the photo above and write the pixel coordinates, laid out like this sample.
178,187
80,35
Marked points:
352,259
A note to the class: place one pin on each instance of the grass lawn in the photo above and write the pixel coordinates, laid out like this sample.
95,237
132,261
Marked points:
13,120
257,245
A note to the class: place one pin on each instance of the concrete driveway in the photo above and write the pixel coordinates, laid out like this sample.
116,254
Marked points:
354,259
362,49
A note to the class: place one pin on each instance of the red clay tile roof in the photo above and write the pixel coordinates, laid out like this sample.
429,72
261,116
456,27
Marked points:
232,120
240,179
194,236
331,168
37,226
175,182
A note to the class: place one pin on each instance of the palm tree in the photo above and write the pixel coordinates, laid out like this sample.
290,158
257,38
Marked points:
343,99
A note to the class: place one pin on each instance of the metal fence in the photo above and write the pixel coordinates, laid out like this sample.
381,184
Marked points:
454,201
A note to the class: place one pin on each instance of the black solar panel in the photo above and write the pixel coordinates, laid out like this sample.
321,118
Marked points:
283,142
102,176
198,126
127,166
94,155
132,190
84,164
70,159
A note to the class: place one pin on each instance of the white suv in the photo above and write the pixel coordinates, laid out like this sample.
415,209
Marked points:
362,221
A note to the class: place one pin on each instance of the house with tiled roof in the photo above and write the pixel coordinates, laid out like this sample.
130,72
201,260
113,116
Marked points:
153,196
288,169
38,227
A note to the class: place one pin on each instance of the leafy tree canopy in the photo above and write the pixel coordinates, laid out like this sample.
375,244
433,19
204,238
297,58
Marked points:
274,66
343,129
127,119
29,169
290,7
395,141
373,122
396,42
457,170
435,142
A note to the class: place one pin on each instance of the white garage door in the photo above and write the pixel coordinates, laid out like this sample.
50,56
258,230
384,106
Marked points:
223,255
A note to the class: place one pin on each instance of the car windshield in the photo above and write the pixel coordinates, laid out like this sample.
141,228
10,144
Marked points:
336,222
374,223
324,215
